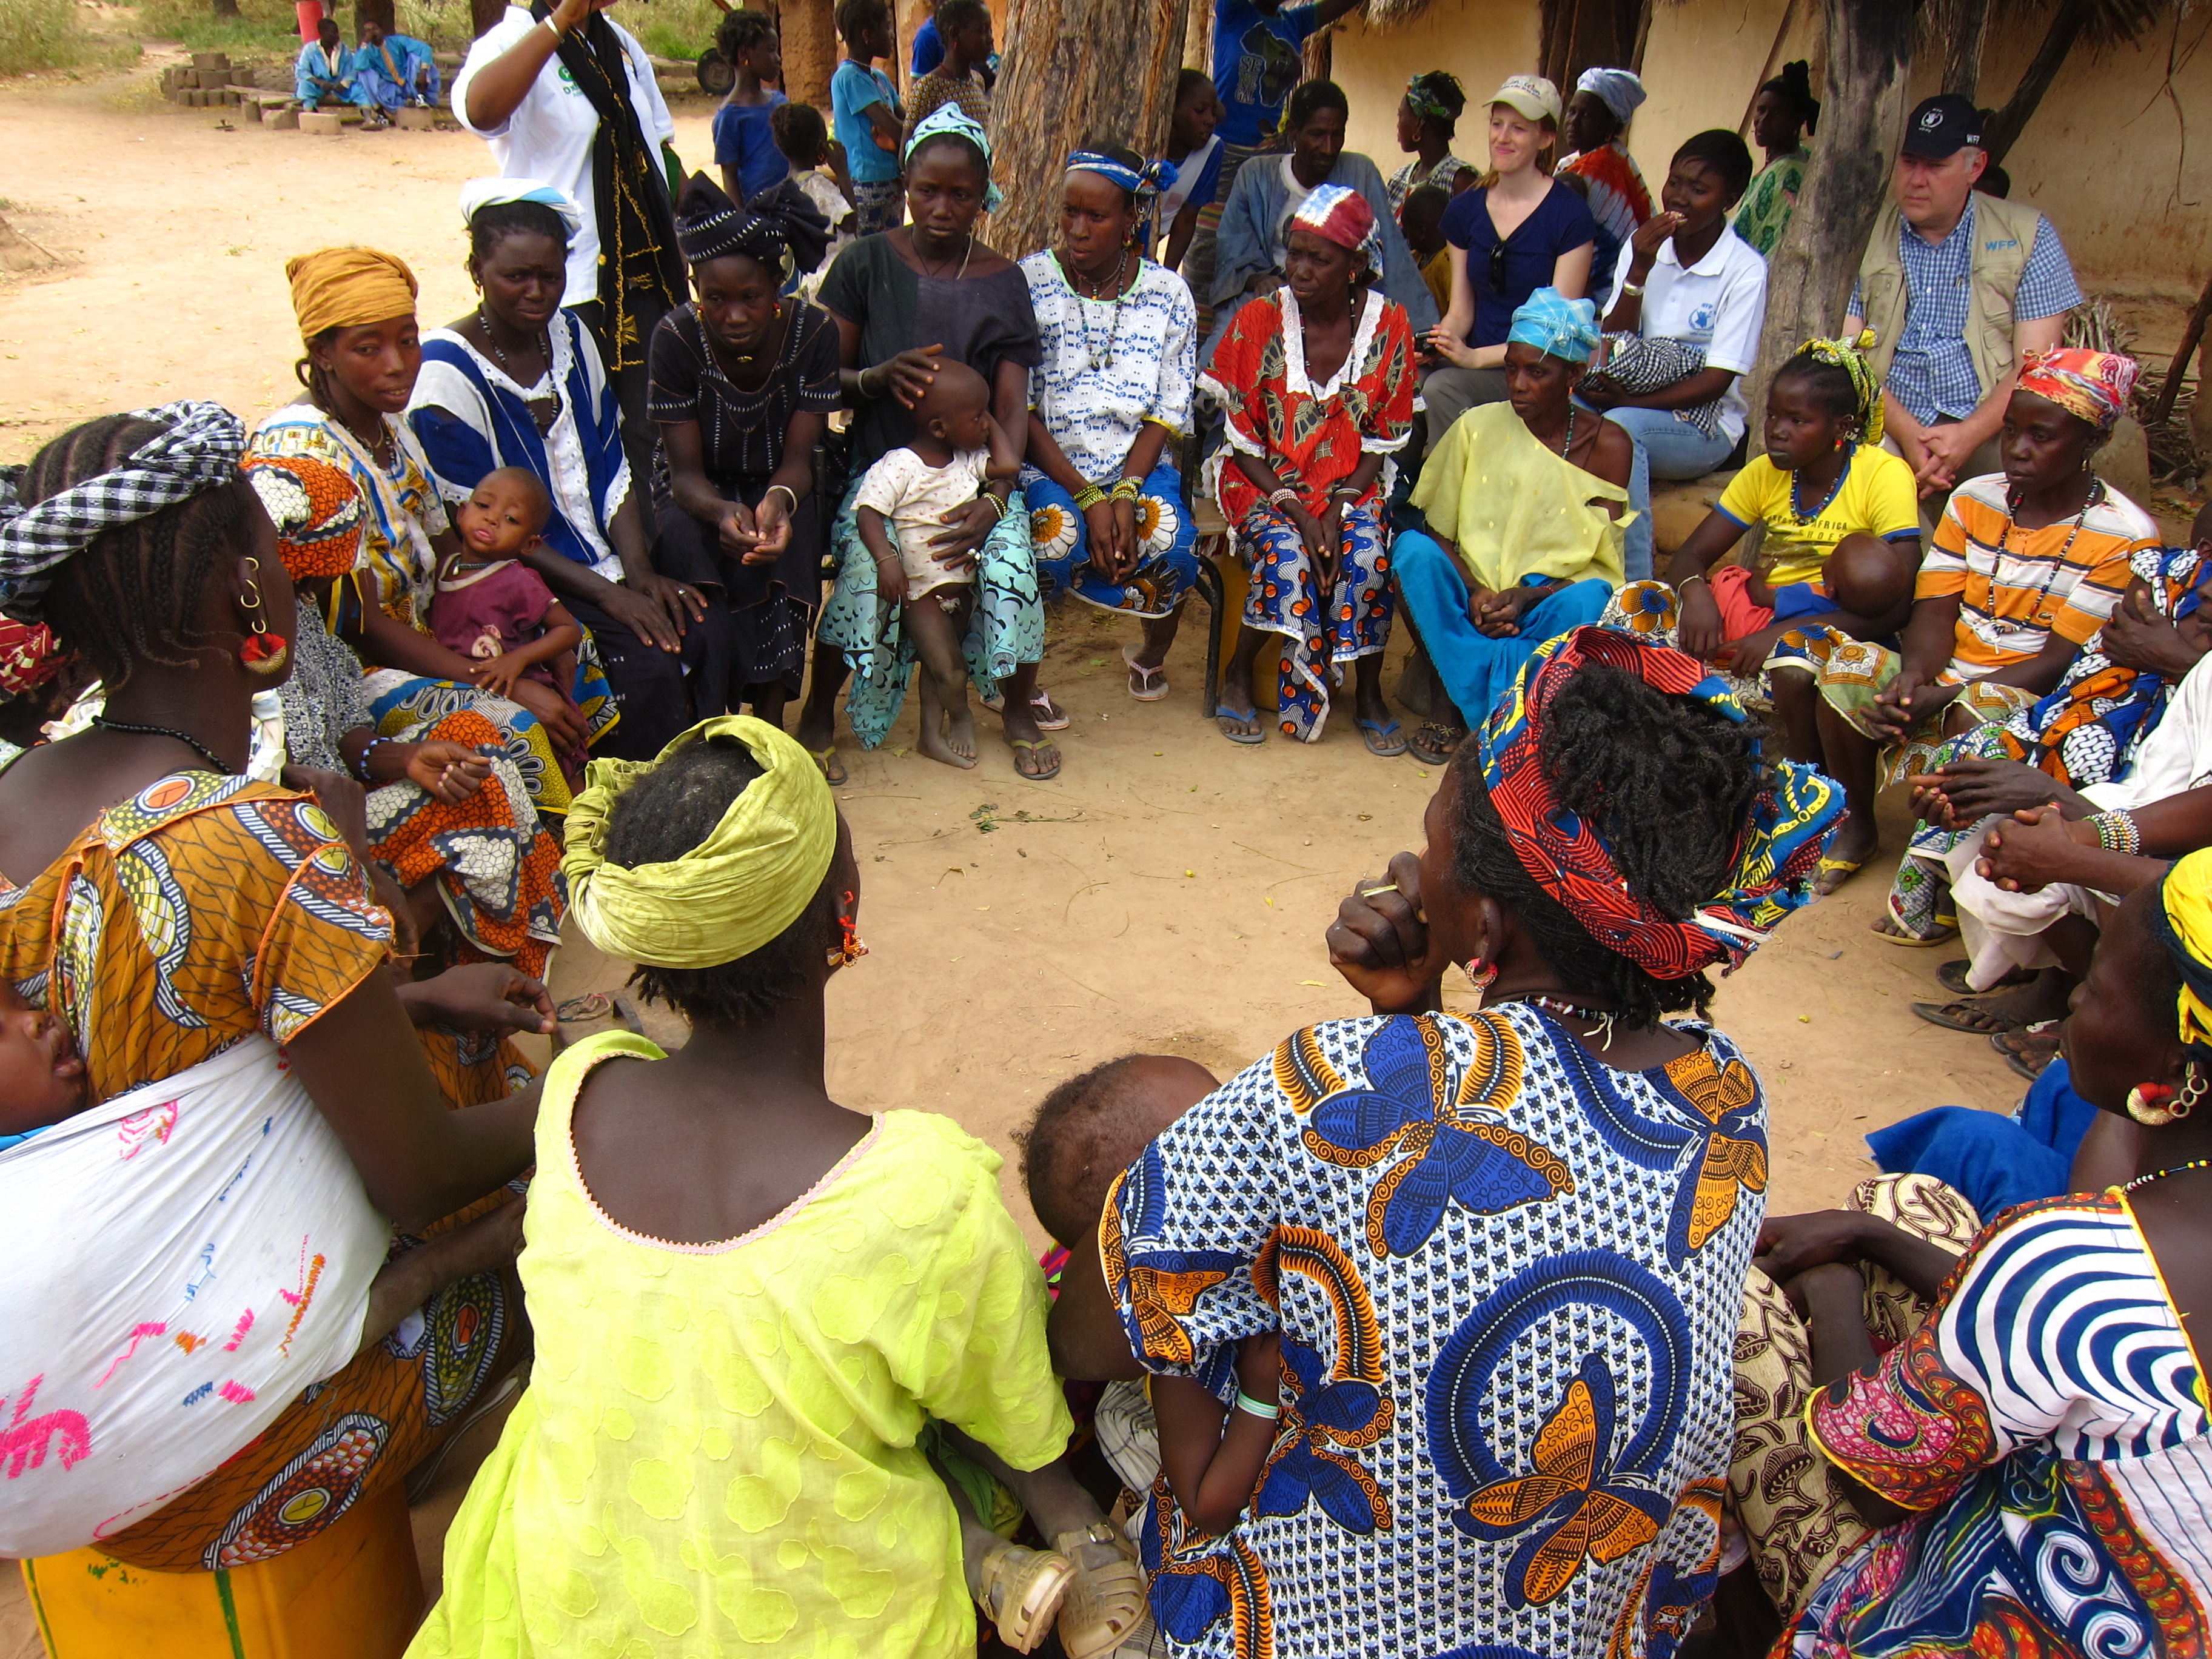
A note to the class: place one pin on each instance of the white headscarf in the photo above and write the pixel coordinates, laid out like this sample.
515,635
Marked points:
1618,89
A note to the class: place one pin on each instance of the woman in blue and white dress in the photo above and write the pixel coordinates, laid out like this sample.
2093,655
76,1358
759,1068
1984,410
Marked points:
1119,334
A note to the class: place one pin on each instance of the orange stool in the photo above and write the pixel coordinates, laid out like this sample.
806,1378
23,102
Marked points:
352,1592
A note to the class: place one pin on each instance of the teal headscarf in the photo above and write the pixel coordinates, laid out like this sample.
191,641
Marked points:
1561,327
951,118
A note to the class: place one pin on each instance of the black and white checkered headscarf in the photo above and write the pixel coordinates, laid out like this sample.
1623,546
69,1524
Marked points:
200,450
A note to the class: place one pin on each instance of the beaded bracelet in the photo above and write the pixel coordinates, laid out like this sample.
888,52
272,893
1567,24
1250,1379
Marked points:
1257,1408
361,760
1285,495
998,504
2117,832
1126,489
1088,497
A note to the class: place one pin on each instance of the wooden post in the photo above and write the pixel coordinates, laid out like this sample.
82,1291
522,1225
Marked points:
1810,272
1965,24
2059,39
808,29
1073,71
2163,405
1198,37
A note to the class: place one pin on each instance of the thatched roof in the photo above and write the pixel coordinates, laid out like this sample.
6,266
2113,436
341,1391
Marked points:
2110,21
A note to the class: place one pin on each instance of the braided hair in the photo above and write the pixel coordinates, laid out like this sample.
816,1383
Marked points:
1666,782
133,595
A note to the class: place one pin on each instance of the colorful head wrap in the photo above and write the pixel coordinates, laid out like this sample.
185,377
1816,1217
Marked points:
2090,386
951,118
1618,89
1344,217
2183,922
348,287
1436,95
317,510
29,657
1155,177
730,895
200,450
478,194
1556,325
1776,855
1850,355
780,227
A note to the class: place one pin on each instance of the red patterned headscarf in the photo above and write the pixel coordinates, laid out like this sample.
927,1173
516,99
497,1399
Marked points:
29,657
317,510
1778,850
2090,386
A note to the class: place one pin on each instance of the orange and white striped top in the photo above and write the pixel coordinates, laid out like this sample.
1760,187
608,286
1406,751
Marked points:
2016,588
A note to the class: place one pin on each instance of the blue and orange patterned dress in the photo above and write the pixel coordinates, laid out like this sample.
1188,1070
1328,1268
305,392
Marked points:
1508,1279
2047,1421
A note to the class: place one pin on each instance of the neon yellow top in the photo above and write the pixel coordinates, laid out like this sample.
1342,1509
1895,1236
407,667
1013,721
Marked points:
716,1451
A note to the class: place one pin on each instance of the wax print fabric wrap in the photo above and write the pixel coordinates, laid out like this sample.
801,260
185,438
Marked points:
1345,217
736,891
349,287
237,1247
778,228
2090,386
1142,183
2183,922
1556,325
1428,95
29,657
317,511
1776,852
1850,355
478,194
951,118
200,450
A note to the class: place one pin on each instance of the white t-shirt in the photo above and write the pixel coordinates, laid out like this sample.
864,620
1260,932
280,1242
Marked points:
1719,303
549,135
915,496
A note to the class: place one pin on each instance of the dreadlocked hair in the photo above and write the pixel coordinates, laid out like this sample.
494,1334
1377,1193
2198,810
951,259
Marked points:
1665,783
666,814
132,595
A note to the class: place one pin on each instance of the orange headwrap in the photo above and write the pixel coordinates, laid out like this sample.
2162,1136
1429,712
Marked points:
348,287
317,510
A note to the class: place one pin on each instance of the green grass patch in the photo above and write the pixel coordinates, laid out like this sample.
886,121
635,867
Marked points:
44,34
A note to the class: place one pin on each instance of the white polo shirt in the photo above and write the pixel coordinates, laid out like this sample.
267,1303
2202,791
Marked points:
549,137
1718,303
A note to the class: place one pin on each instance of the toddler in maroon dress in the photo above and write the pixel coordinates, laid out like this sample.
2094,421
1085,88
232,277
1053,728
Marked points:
491,607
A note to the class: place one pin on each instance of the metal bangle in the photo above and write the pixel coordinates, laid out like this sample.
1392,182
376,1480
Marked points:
789,495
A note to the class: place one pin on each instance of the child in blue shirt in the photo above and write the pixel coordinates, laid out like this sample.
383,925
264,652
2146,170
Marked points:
744,144
868,118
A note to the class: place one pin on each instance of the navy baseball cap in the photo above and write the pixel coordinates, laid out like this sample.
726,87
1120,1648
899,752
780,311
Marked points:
1940,127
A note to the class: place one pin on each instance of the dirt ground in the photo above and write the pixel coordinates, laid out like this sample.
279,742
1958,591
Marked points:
1167,893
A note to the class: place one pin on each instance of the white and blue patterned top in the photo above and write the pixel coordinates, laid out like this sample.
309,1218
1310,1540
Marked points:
1931,373
1508,1279
1111,366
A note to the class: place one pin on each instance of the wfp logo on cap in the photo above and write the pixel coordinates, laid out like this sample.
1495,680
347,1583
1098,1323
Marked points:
1932,120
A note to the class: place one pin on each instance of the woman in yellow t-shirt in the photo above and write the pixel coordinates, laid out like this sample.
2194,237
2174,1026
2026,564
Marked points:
1842,546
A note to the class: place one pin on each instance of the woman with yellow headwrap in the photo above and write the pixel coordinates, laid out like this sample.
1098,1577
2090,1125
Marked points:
748,1301
355,308
2027,1421
1842,541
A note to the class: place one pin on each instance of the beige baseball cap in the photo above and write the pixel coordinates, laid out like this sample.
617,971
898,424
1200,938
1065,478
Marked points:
1530,95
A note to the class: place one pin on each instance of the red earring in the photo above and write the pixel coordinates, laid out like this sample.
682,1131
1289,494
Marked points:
850,948
1483,978
262,653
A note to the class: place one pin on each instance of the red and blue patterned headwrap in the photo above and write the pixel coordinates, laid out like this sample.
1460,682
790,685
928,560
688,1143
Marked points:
1777,851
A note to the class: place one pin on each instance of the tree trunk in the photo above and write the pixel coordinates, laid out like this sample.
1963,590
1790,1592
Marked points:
2060,39
1198,38
1810,273
483,15
1075,70
809,33
1963,23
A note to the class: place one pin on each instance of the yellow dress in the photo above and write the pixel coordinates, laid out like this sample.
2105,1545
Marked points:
716,1452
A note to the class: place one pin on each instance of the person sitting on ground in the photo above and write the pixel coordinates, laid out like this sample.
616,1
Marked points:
1675,385
395,68
903,503
1108,520
869,117
803,139
1316,383
959,79
744,146
1194,153
1941,1427
1251,254
1960,289
1596,133
1522,503
1840,542
723,1184
1482,1268
324,70
1421,221
1517,230
1428,116
2026,567
1782,114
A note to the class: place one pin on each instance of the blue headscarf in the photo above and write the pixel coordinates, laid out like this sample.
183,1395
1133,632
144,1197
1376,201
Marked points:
1561,327
951,118
1156,177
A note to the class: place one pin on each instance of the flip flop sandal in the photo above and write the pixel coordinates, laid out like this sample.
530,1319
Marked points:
1145,675
1106,1601
1048,714
1435,743
2042,1037
1377,736
833,770
1020,1590
1033,777
1946,931
592,1004
1940,1013
626,1012
1953,976
1842,869
1224,719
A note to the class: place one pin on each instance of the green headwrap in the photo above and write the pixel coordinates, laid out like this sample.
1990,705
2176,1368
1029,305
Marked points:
1850,355
730,895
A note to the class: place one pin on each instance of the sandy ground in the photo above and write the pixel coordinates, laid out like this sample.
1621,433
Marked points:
1167,893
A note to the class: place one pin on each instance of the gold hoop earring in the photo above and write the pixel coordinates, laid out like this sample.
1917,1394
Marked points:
261,653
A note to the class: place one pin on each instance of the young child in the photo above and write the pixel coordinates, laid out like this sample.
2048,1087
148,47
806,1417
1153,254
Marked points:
870,118
902,507
1196,150
745,145
805,143
41,1074
490,606
1422,219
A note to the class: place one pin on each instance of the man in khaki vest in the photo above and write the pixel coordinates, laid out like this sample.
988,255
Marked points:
1957,287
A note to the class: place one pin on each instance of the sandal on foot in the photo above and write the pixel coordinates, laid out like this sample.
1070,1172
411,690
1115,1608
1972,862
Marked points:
1954,976
1048,714
1020,1591
833,770
1891,931
1434,743
592,1004
1250,728
1106,1601
1152,683
1380,736
1020,744
1833,873
1967,1016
